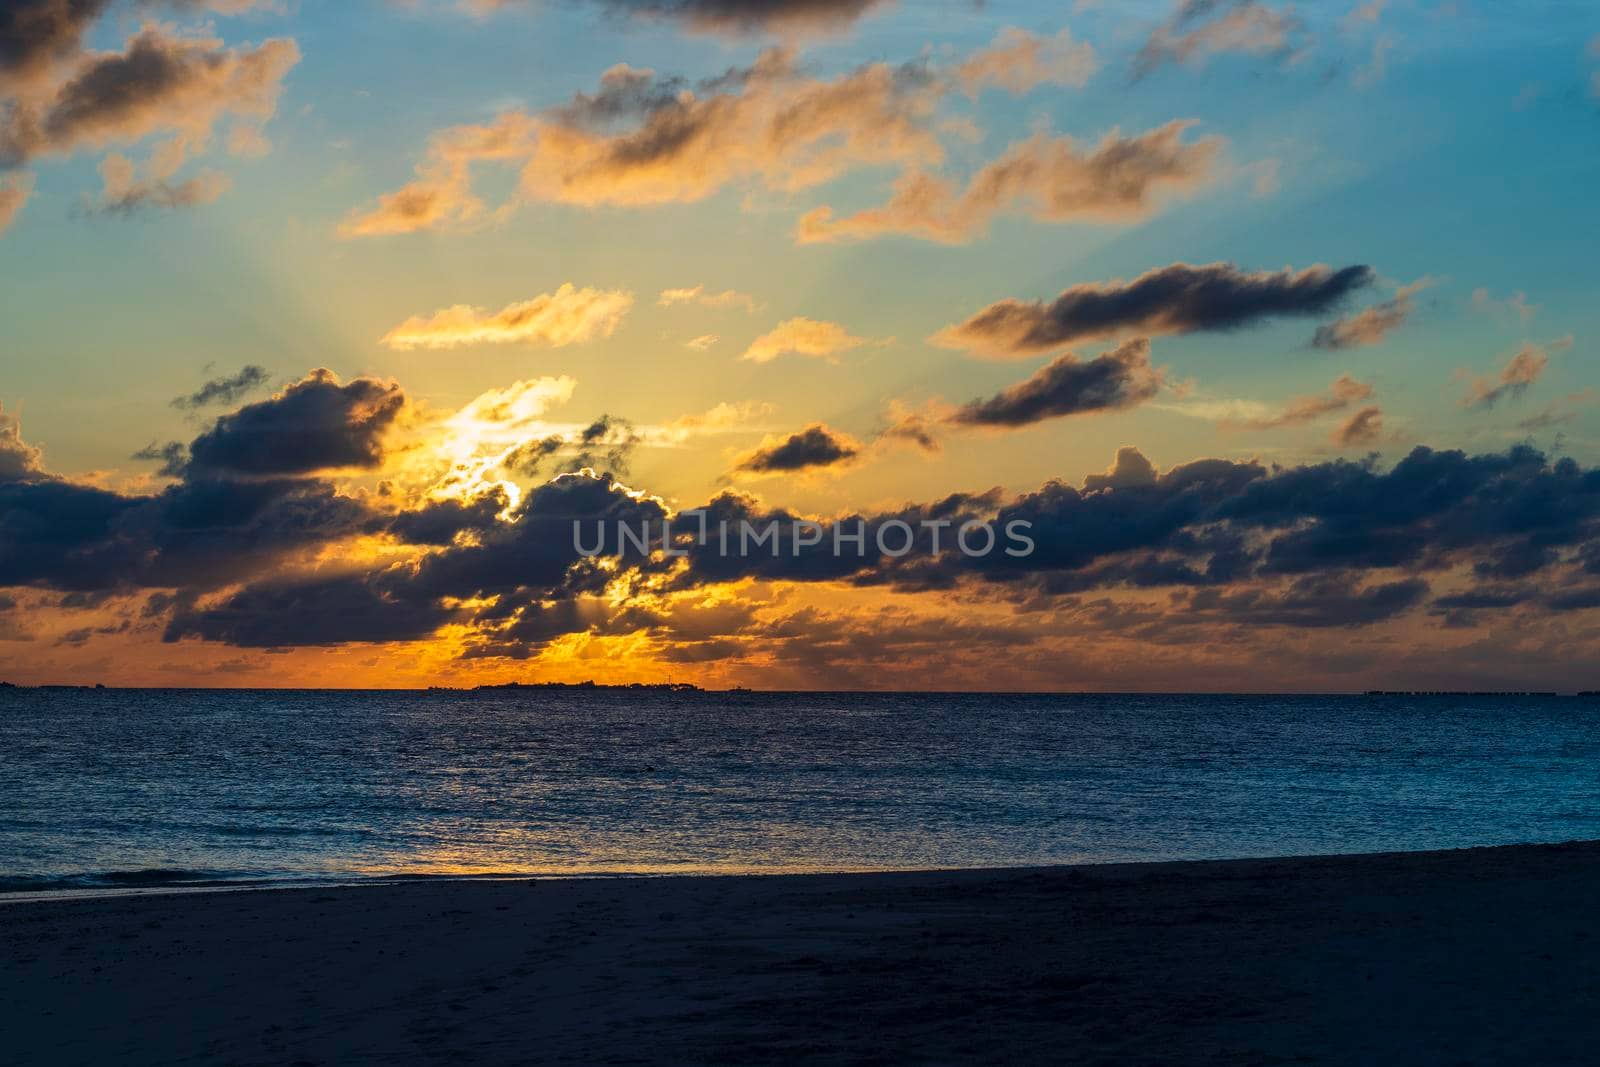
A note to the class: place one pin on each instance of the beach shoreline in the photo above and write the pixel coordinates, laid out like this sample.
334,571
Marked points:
1473,955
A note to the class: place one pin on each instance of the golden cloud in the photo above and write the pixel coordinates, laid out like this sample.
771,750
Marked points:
567,316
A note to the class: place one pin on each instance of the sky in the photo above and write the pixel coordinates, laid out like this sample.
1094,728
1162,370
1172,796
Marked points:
324,323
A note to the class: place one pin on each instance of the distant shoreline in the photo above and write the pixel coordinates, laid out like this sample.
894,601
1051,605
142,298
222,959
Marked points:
1486,953
138,884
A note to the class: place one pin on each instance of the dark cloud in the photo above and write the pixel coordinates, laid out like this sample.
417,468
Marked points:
196,534
527,458
63,536
1366,327
316,424
230,546
440,522
328,611
34,34
1526,366
1311,603
226,390
537,547
913,428
1199,29
738,17
172,456
815,446
1177,299
1338,544
161,82
606,444
753,16
1219,523
1121,378
1364,427
37,34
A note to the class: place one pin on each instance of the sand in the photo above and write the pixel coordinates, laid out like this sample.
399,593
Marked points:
1479,956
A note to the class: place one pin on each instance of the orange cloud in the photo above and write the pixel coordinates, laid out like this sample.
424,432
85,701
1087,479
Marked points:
1344,393
1018,62
698,295
1051,179
14,193
643,139
567,316
1362,428
161,82
802,337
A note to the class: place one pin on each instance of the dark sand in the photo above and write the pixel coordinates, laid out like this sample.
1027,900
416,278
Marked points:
1483,956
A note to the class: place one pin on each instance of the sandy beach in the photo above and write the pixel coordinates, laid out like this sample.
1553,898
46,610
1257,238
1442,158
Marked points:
1476,956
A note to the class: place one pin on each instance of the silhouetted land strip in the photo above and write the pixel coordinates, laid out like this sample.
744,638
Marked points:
589,687
1476,956
1464,693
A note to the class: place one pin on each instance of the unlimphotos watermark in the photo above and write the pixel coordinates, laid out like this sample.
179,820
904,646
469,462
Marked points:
894,538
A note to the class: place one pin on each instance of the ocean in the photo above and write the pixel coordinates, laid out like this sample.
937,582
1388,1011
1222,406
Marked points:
126,789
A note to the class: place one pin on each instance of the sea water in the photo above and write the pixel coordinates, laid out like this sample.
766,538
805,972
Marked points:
118,788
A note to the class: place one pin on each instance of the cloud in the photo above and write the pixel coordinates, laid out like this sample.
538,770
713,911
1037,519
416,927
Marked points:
1177,299
1524,368
605,444
1369,325
1051,179
1019,61
1368,12
226,390
161,82
802,337
14,193
698,295
173,457
914,427
322,611
127,192
643,139
61,98
1377,67
732,17
315,424
35,35
1219,524
1116,380
1200,29
815,446
201,533
1130,469
19,461
1561,411
719,419
1343,394
701,343
1364,427
1516,303
567,316
1312,603
238,551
